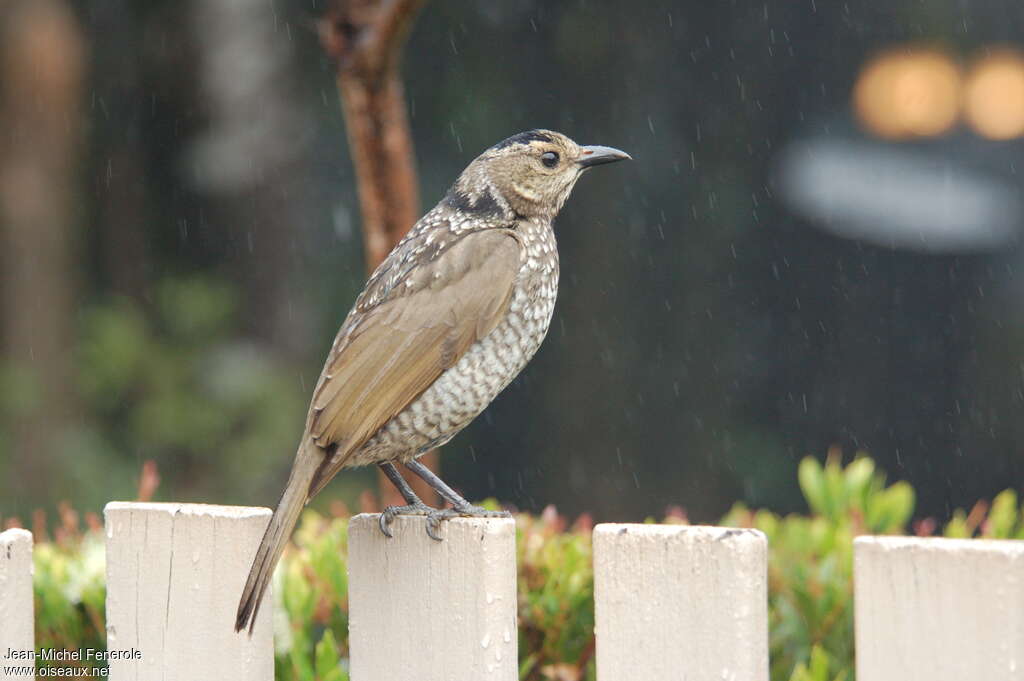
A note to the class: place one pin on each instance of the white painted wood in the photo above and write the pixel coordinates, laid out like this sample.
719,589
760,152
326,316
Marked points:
174,576
16,606
432,611
931,608
676,602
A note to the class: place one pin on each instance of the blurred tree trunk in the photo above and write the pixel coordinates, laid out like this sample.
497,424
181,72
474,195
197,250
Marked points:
251,159
365,37
41,52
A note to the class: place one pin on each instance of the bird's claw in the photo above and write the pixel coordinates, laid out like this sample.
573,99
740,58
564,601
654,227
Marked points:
434,519
435,516
391,512
470,511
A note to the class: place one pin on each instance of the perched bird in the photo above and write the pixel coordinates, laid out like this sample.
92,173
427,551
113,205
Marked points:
444,324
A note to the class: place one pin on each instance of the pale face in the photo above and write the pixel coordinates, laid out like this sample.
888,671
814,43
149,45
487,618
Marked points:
535,171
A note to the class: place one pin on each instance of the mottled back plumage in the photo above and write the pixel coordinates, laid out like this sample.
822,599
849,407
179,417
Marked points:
444,324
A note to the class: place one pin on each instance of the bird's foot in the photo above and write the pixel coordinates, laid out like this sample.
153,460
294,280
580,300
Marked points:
470,511
467,511
416,508
436,515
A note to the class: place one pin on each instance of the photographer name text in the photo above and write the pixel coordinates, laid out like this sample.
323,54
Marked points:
82,655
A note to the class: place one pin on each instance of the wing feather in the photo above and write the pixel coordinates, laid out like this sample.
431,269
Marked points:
397,349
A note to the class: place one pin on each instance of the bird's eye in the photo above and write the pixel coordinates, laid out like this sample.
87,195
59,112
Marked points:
549,158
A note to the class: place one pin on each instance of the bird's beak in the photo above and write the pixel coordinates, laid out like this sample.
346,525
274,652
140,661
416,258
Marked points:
596,155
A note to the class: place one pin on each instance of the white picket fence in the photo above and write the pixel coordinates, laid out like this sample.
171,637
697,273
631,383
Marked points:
673,603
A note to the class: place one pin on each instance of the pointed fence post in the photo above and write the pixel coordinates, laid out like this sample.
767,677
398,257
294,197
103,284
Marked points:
174,576
680,602
931,608
16,606
432,610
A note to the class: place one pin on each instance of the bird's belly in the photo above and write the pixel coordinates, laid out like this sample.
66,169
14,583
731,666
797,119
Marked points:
465,389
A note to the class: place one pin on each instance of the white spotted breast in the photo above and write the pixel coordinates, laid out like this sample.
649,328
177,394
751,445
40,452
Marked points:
464,390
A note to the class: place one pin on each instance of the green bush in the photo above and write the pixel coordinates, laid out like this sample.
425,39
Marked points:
810,585
810,564
170,380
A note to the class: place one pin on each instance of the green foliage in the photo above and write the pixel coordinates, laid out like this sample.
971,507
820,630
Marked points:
811,562
810,585
817,668
556,594
172,381
169,379
70,589
1004,520
856,493
312,609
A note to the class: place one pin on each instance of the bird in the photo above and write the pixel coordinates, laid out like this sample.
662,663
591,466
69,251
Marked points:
446,321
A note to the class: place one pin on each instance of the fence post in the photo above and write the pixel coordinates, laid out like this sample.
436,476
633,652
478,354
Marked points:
931,608
16,606
174,576
433,610
680,602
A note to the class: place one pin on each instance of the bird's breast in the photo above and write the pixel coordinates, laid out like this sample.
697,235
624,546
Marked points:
488,366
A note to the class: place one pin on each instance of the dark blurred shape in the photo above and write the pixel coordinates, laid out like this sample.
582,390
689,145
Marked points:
42,54
256,124
251,156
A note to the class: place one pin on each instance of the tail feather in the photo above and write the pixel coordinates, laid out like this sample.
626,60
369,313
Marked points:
296,492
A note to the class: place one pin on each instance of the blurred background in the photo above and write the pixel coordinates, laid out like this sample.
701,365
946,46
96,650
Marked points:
817,245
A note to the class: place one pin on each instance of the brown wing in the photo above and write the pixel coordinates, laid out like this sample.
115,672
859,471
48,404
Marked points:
401,346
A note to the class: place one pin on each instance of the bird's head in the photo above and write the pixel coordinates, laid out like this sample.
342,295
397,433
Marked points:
530,174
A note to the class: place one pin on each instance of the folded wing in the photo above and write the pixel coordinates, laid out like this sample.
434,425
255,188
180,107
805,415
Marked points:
396,350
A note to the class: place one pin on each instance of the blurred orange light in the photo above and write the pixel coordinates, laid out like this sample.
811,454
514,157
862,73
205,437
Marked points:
994,95
910,93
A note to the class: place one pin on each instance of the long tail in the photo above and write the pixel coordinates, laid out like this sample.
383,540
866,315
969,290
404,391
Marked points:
307,460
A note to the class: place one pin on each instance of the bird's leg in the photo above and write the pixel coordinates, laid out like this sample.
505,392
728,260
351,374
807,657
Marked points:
439,485
415,505
462,507
399,482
